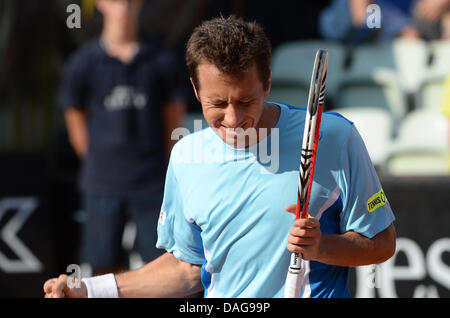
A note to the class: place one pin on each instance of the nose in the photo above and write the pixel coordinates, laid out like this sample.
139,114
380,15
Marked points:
232,116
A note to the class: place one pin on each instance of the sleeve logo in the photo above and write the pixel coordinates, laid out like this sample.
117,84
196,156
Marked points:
376,200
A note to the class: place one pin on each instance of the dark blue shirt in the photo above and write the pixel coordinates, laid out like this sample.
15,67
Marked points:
124,104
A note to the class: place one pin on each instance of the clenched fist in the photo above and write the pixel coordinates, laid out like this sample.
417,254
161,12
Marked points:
64,286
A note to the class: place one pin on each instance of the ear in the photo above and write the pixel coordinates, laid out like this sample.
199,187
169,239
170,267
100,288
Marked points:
195,89
269,84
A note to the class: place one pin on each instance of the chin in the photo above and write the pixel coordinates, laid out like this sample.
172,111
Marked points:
240,140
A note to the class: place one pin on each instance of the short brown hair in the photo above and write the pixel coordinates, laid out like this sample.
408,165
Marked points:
232,45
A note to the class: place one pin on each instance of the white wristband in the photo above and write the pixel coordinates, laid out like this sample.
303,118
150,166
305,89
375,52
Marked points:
103,286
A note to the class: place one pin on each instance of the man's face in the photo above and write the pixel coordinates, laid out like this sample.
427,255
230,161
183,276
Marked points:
230,103
119,10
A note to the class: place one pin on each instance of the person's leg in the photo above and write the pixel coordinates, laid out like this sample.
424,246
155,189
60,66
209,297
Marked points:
143,209
102,233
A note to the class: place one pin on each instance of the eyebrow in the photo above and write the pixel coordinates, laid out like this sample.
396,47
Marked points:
220,100
216,100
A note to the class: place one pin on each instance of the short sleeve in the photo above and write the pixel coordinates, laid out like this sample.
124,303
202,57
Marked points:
73,88
177,233
366,209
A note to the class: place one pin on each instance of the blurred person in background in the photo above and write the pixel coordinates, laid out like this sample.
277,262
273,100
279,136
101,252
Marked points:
432,19
122,96
346,20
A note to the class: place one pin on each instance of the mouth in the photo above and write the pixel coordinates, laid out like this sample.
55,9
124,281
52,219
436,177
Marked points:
239,137
232,132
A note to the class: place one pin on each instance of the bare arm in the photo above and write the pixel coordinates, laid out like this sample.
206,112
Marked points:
358,11
354,249
347,249
173,115
76,129
166,276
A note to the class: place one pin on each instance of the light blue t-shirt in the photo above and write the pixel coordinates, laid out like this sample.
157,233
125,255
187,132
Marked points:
223,208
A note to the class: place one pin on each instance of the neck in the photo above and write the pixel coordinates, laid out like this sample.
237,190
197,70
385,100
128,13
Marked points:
117,34
120,40
269,116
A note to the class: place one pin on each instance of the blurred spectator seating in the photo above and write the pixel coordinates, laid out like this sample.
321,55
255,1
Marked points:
292,67
374,81
431,91
375,127
411,59
421,147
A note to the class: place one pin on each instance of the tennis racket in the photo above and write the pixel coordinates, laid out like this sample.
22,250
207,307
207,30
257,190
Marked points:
307,162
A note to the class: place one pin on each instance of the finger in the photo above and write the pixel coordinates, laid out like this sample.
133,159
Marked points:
291,208
307,223
59,286
303,241
48,295
305,232
292,248
60,295
295,249
304,251
49,284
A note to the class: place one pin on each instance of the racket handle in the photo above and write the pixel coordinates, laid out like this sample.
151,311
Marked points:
294,277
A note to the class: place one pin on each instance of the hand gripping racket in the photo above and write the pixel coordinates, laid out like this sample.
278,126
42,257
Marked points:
307,162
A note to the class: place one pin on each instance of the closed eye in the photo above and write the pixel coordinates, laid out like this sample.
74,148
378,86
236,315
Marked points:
245,102
219,104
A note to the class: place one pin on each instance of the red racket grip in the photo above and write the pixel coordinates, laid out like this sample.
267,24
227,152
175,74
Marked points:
304,209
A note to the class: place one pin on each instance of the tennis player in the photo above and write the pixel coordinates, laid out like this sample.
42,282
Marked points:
223,220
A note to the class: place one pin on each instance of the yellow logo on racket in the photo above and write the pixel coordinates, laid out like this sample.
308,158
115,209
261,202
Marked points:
376,200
